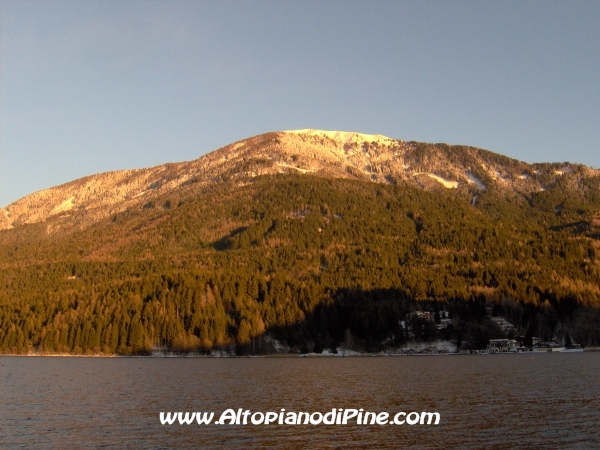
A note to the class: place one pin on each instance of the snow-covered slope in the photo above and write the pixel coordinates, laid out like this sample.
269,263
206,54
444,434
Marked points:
324,153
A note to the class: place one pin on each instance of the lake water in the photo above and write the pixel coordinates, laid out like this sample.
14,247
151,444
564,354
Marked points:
485,401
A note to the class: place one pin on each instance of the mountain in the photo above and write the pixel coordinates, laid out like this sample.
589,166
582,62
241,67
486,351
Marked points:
315,239
323,153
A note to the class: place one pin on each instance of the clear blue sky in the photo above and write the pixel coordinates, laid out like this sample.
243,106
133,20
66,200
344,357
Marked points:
93,86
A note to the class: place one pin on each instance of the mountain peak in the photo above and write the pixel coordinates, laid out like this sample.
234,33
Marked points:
345,137
333,154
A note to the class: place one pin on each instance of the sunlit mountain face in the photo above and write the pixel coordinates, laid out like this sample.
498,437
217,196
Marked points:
307,238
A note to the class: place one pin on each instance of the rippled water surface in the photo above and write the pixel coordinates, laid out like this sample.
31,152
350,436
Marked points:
486,401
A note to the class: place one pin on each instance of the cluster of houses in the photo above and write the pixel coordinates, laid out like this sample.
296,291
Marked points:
442,322
516,345
504,324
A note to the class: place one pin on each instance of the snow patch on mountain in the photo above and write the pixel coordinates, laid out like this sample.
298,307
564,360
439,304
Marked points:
474,180
299,169
346,137
498,177
447,183
64,206
563,170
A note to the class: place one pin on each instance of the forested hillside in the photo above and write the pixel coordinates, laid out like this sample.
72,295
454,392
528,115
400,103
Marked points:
312,261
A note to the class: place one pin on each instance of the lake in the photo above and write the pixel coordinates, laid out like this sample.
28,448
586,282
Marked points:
484,401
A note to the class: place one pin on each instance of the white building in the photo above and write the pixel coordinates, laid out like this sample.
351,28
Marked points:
502,346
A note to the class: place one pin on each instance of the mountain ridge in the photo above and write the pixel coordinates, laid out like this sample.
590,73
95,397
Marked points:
326,153
291,236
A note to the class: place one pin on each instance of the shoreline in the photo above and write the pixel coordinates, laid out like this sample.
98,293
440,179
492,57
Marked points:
288,355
